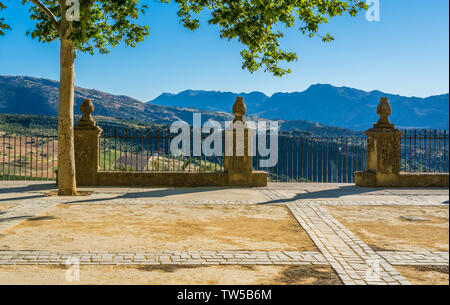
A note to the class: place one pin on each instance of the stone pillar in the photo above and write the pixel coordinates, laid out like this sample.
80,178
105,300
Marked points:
383,151
238,148
87,143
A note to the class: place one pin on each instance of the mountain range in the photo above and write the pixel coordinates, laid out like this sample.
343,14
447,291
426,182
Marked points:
326,104
316,110
38,96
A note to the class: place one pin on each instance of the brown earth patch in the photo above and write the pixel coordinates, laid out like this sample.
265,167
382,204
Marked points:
425,275
383,228
137,228
315,276
197,275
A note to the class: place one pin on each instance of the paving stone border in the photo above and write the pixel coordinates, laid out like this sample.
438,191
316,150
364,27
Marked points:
32,257
271,194
400,258
129,201
164,258
399,202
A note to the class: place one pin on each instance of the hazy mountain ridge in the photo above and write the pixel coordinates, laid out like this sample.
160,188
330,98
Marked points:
36,96
335,106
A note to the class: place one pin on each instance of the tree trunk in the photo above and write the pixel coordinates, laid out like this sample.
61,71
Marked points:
66,155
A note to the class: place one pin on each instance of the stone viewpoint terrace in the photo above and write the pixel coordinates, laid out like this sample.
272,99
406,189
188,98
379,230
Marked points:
358,252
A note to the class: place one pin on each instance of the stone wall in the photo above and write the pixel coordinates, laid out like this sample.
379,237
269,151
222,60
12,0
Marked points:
179,179
403,179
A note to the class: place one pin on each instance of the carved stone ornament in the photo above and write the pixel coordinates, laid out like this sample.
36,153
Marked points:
86,108
239,110
384,110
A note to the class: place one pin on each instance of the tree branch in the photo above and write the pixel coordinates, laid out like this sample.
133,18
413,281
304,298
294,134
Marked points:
47,11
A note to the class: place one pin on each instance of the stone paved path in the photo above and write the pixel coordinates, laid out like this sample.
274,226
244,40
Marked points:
278,200
352,259
166,257
31,257
400,258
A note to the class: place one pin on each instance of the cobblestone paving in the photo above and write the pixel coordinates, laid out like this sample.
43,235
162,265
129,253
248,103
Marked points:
274,197
207,258
400,258
414,201
377,199
353,260
378,202
270,194
166,257
133,201
22,212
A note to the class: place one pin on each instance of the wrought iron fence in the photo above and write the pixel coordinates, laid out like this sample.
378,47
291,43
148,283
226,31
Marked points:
317,159
149,150
424,151
300,158
28,158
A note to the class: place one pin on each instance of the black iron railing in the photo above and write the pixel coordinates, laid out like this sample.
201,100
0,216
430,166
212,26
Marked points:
28,158
424,151
149,150
317,159
300,158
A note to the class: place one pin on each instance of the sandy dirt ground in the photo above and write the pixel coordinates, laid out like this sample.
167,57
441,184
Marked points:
5,206
172,275
103,195
425,275
382,227
159,228
198,193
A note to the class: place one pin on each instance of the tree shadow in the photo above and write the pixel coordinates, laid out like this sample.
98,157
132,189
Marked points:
22,198
14,218
28,188
169,192
25,189
327,194
27,218
41,218
155,193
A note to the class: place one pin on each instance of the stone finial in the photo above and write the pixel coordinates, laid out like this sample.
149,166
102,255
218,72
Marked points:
86,109
239,110
384,110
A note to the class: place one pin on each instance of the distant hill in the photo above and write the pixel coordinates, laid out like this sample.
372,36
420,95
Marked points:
326,104
36,96
316,129
30,95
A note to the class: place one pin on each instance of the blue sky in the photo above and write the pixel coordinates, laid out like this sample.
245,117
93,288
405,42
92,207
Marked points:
405,53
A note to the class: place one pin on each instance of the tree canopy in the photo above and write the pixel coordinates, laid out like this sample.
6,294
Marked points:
3,25
255,24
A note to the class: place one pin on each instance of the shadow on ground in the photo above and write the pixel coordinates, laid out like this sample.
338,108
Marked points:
26,189
327,194
28,218
156,193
